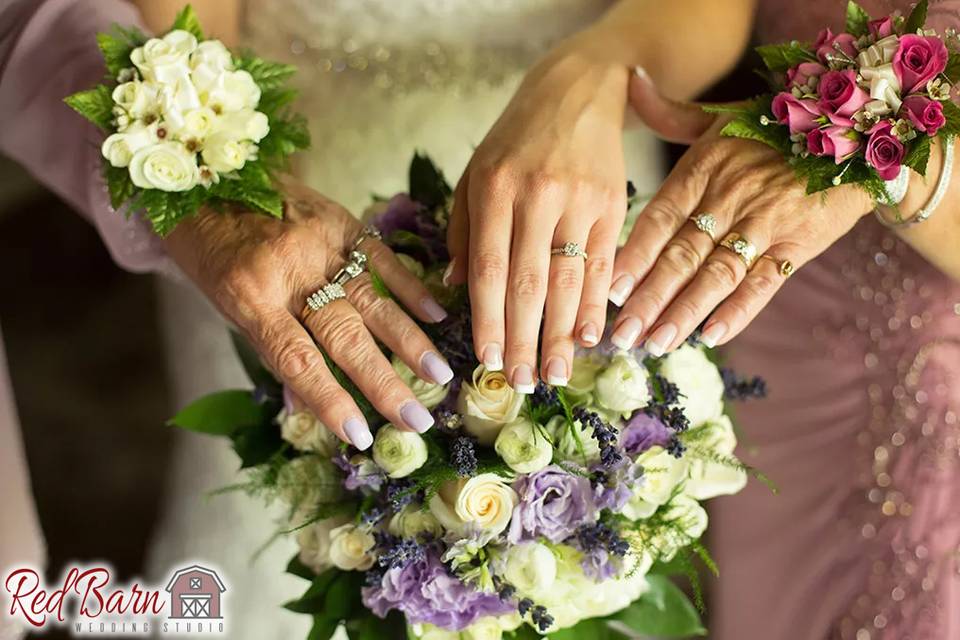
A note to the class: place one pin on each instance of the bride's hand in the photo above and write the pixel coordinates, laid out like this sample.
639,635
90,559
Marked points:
550,171
258,271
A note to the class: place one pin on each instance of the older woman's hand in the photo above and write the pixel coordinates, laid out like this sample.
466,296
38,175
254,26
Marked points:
258,271
670,276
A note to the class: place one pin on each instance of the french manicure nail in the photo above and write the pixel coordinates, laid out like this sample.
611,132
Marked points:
660,339
358,433
493,357
557,372
436,367
713,333
523,379
641,72
627,333
416,416
433,310
589,334
448,272
621,289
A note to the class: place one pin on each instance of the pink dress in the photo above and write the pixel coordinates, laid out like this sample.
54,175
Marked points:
861,433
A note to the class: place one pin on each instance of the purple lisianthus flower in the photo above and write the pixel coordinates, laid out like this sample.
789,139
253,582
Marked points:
360,474
643,431
600,565
404,214
425,591
553,504
613,488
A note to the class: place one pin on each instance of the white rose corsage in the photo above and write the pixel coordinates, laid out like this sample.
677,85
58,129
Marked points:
189,123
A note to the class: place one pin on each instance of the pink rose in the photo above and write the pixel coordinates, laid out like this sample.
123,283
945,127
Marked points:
918,60
799,76
840,97
800,115
884,152
839,142
828,44
924,114
881,27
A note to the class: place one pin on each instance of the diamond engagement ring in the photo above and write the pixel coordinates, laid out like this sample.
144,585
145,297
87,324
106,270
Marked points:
745,250
369,231
325,295
569,250
707,223
356,263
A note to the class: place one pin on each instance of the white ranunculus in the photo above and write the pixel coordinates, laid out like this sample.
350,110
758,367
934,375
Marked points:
119,148
161,59
661,475
573,445
224,154
523,446
484,502
197,124
583,380
623,386
166,166
699,382
314,542
351,548
233,91
430,394
398,453
487,403
531,567
708,478
689,519
308,481
413,521
245,124
306,432
137,98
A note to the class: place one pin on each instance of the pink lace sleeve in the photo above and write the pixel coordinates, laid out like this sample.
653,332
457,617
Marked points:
54,55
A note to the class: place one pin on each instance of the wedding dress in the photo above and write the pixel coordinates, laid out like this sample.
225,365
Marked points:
380,79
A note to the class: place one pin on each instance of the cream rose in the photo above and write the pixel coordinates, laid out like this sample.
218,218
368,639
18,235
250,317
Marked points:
398,453
306,433
137,98
224,154
531,567
574,445
523,446
699,382
209,61
351,548
413,522
233,91
487,403
245,124
583,381
166,166
162,59
623,386
485,502
197,124
119,148
314,542
708,478
430,394
661,475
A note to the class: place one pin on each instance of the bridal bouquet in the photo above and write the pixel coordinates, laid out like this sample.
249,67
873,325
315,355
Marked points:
861,106
560,513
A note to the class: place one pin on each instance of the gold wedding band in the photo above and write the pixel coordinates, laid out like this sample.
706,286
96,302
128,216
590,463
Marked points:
745,250
784,267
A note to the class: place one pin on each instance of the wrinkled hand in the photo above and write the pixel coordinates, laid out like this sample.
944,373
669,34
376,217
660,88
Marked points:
258,271
670,276
550,171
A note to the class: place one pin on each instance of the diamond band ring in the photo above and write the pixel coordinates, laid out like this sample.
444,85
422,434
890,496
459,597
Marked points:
745,250
369,231
325,295
707,223
356,263
569,250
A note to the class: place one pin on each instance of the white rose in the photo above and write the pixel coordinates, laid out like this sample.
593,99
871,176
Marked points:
119,148
398,453
574,445
137,98
351,548
413,522
430,394
485,501
233,91
412,265
583,380
197,124
166,166
306,433
207,63
532,568
523,446
245,124
163,59
224,154
623,386
487,628
314,542
699,382
487,404
308,481
708,478
689,520
661,475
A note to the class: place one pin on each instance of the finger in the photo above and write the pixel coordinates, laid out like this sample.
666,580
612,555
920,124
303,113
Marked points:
291,352
408,288
754,293
601,247
719,277
458,235
387,321
564,288
339,329
490,212
681,122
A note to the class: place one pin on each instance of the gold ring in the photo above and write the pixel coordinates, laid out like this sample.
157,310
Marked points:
569,250
707,223
745,250
784,267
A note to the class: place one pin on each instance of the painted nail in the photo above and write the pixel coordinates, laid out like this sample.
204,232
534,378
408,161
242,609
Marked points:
416,416
621,289
641,72
448,272
627,333
436,367
713,333
589,334
660,339
433,310
557,372
523,379
358,433
493,357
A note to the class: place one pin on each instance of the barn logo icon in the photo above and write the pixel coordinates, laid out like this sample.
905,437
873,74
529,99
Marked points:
195,594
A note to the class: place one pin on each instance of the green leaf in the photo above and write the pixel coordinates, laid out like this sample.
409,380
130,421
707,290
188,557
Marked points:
919,155
268,75
164,209
96,105
323,628
953,68
379,286
287,135
780,57
259,375
297,568
593,628
427,183
221,413
188,21
260,443
664,611
952,114
370,627
116,52
857,19
119,185
343,596
272,100
313,598
918,17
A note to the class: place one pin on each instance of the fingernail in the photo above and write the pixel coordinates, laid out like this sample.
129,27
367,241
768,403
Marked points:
493,357
621,289
627,333
557,372
433,309
358,433
660,339
416,416
641,72
713,333
436,367
448,272
523,379
589,334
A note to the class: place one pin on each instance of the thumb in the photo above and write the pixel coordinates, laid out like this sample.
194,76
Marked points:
681,122
458,236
